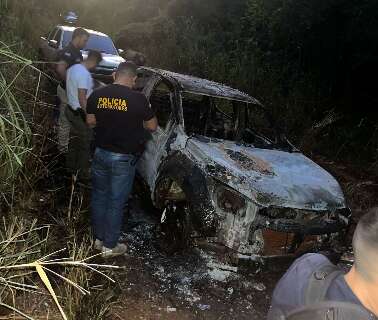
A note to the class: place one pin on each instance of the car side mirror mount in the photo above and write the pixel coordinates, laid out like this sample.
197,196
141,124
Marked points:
53,43
120,51
43,38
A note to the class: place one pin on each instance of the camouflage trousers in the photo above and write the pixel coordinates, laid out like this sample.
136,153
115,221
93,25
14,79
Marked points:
63,123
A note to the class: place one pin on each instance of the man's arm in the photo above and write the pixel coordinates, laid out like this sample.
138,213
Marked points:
151,125
82,95
150,122
91,110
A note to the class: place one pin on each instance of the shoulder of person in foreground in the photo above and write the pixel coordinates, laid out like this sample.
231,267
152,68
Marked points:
290,290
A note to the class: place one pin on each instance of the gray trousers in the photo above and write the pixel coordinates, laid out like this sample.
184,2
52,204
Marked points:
63,123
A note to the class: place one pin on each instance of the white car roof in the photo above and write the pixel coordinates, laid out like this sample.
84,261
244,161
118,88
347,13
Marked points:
71,29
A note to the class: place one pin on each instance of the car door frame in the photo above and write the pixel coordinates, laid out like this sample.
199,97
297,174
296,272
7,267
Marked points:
50,53
155,149
45,47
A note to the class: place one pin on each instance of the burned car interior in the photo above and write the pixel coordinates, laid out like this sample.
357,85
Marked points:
161,103
209,116
232,120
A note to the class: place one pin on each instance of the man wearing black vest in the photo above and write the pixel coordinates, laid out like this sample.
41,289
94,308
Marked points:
67,57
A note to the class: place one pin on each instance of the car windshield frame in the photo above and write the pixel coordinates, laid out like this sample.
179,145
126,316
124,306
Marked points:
213,102
109,49
242,122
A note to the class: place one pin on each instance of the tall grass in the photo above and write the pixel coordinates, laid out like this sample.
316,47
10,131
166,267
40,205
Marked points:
20,84
15,130
21,241
23,261
29,262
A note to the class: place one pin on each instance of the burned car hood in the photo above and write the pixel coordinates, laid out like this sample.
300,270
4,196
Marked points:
268,177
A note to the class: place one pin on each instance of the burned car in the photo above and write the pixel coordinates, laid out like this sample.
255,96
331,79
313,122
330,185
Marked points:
218,170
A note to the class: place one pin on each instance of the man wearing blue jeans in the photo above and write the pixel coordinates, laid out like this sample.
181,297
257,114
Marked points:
121,119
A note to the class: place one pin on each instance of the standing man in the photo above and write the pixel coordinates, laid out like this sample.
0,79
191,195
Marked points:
121,118
313,288
67,57
79,88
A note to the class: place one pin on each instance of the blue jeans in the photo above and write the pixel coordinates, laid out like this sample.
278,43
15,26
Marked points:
112,180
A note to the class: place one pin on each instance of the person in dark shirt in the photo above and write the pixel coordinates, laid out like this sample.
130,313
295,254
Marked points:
121,119
66,58
71,54
358,287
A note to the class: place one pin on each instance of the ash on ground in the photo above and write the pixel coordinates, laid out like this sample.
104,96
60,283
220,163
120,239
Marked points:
192,284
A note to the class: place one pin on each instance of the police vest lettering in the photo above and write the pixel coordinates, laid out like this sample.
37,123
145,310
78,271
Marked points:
112,104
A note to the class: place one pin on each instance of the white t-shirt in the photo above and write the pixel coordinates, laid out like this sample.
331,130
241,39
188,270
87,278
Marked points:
78,77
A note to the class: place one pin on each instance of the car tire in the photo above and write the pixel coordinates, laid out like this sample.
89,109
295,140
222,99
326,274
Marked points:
175,228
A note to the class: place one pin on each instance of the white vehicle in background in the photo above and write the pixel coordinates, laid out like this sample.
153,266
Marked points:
61,35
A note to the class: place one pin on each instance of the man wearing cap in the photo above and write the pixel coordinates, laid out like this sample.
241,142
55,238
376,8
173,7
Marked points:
122,119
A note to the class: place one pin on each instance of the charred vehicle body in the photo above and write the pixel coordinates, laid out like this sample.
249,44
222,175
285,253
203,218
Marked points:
218,170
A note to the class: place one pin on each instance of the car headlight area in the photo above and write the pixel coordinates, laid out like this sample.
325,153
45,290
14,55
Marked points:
229,200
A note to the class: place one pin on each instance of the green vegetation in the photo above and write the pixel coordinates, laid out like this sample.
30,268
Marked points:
27,266
14,129
312,63
34,261
15,133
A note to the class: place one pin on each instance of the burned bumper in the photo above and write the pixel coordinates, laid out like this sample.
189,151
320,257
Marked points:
314,223
244,232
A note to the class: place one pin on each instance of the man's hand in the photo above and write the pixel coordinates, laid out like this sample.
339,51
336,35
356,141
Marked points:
151,125
91,120
82,95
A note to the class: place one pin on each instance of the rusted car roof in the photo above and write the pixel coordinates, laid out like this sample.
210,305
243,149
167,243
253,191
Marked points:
205,87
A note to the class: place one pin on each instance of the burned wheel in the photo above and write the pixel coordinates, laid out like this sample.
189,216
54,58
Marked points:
174,230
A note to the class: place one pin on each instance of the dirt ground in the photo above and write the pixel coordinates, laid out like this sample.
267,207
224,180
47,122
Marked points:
193,284
196,284
190,285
